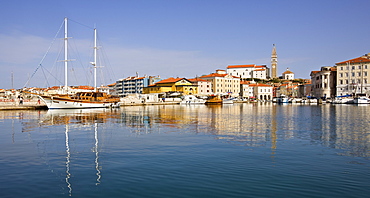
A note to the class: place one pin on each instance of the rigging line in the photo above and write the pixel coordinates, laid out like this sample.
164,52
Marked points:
80,23
47,82
43,58
110,72
53,75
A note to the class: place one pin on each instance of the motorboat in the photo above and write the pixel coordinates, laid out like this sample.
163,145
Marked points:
192,99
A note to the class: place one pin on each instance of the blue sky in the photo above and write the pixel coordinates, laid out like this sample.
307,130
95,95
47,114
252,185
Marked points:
186,38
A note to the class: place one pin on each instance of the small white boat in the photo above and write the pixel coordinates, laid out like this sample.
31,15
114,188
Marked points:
342,100
361,100
191,99
228,101
282,99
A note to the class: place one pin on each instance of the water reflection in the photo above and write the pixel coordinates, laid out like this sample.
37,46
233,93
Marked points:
254,125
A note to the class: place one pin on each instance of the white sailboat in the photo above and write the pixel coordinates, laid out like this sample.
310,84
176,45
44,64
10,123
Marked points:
92,99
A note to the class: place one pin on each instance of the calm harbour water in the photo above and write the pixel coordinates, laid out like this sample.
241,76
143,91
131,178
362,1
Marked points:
240,150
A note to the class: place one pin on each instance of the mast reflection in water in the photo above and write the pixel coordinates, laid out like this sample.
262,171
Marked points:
240,150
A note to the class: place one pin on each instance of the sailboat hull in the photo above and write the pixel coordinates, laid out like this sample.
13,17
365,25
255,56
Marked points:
66,103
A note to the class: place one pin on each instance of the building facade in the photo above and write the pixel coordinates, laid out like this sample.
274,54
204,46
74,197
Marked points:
223,83
288,75
179,85
245,92
204,86
245,72
134,85
262,91
323,82
353,76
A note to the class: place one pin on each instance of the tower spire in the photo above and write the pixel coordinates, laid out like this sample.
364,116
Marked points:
274,62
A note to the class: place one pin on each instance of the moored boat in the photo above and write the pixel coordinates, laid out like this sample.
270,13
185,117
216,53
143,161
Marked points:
92,99
216,99
361,100
282,99
81,100
191,99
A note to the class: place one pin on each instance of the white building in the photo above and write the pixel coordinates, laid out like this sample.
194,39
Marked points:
253,90
353,76
288,75
262,91
248,71
323,82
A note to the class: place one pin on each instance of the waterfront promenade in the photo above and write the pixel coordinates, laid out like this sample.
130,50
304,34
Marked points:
27,104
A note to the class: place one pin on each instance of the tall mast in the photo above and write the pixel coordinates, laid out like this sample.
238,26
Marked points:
95,50
65,53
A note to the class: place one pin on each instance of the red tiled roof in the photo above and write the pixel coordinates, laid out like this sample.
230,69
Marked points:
355,60
197,80
170,80
259,85
288,72
239,66
314,72
260,70
85,87
244,66
216,75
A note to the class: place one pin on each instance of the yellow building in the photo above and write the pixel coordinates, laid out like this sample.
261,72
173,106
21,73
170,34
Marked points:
181,85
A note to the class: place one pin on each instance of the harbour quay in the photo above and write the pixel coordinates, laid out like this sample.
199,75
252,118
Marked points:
25,105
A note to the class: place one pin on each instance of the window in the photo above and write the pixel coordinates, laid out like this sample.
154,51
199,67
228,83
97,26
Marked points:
341,68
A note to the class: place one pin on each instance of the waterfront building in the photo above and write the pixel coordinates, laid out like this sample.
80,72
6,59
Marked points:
353,76
274,62
172,85
304,90
324,82
134,84
262,91
253,90
287,88
223,83
288,75
245,92
204,86
245,72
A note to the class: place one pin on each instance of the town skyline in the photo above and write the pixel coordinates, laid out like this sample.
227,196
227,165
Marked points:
187,39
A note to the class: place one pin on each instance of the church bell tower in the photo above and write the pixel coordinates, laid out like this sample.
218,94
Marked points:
274,62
